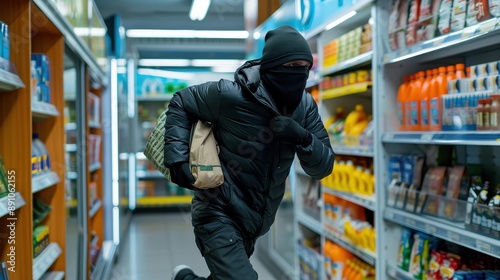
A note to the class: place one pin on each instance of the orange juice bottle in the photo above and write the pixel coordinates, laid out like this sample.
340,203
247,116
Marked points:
424,101
460,71
450,74
407,102
440,88
402,93
415,101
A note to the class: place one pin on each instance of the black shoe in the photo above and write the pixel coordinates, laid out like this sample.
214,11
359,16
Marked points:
181,271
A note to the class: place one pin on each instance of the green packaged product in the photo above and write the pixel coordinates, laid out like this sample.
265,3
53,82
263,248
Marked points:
3,179
404,251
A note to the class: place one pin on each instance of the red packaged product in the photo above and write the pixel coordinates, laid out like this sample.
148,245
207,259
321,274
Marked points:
435,264
482,9
451,263
413,17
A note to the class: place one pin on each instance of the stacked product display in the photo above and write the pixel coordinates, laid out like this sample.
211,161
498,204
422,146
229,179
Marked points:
353,43
422,256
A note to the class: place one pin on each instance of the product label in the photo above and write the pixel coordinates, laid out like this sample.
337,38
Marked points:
479,119
493,119
424,112
400,113
414,113
407,113
434,111
486,119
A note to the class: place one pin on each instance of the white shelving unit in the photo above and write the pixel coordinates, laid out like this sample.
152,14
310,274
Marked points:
43,110
472,45
9,81
4,204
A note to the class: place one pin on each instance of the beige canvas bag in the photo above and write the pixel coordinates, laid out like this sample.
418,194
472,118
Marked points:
204,157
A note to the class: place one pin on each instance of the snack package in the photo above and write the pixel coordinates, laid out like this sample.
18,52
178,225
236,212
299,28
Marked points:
394,188
404,251
435,264
451,208
403,192
411,199
404,8
471,18
494,7
451,263
413,17
419,259
459,15
445,11
395,168
422,198
434,190
483,10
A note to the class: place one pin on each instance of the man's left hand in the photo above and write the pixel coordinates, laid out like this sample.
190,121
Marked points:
288,129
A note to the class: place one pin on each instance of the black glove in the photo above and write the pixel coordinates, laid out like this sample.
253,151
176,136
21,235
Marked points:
180,174
289,130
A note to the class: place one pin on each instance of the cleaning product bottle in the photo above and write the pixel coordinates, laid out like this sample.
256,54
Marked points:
407,102
44,155
35,160
440,89
348,173
339,177
369,188
415,101
402,92
354,117
424,101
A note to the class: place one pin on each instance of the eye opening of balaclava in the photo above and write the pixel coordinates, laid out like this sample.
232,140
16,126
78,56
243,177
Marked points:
285,84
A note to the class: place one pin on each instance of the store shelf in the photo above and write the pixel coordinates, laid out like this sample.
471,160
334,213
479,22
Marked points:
346,90
95,166
365,255
42,110
71,175
70,126
397,273
152,201
453,232
153,174
360,151
360,60
364,201
44,181
94,208
71,148
48,7
483,138
467,37
312,82
9,81
53,275
4,204
96,125
45,260
155,98
310,223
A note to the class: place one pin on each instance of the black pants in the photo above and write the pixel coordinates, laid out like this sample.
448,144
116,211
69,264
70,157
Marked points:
226,252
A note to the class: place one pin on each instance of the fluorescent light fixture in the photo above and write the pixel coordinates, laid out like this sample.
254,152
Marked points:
256,35
207,34
164,62
94,31
199,9
187,62
166,74
224,69
340,20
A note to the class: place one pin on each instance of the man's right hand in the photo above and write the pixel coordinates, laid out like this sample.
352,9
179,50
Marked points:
180,174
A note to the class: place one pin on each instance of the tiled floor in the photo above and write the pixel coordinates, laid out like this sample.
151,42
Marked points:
157,242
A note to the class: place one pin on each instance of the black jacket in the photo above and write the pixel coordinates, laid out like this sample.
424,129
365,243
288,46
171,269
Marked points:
255,163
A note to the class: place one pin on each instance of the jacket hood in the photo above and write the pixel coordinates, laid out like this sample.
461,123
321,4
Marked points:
248,75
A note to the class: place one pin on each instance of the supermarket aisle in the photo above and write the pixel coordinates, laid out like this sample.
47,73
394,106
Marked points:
157,242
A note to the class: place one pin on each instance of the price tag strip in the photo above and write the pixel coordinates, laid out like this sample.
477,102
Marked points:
44,181
43,262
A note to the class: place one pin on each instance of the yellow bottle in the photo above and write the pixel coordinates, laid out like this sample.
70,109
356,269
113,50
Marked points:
339,177
367,186
353,118
348,173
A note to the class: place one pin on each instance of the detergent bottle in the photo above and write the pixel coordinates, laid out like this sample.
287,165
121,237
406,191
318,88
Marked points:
440,89
415,101
355,117
424,101
402,95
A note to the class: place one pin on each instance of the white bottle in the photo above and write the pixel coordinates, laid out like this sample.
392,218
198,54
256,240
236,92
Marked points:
45,162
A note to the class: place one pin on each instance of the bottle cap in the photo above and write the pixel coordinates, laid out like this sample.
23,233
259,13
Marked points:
442,69
460,66
435,71
35,135
450,68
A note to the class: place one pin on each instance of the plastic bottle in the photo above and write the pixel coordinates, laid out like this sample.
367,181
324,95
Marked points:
495,112
35,96
424,101
486,114
479,115
402,93
348,173
35,160
45,159
440,89
415,101
368,180
407,102
460,71
450,73
354,117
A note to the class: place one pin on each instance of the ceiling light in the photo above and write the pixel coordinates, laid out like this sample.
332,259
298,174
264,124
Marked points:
186,62
340,20
199,9
207,34
166,74
164,62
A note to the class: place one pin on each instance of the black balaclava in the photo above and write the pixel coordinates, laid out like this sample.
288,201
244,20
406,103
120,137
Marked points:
285,84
